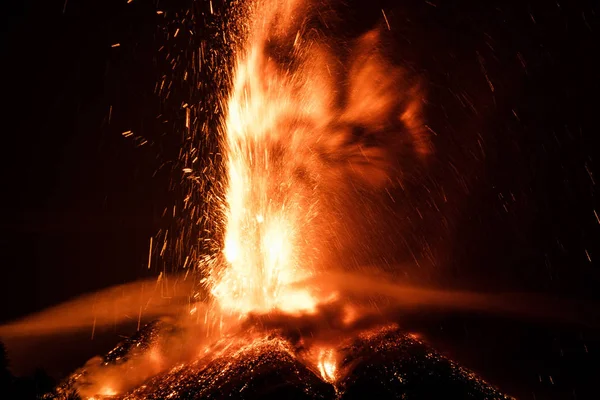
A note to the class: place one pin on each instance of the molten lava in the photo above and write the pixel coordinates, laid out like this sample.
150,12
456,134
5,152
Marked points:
327,364
269,208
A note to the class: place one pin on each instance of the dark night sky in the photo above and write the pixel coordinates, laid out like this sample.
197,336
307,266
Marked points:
80,202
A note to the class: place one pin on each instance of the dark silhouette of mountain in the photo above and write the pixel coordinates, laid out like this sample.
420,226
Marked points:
384,363
22,388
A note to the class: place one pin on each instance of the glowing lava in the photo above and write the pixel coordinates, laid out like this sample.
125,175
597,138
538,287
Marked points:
327,364
299,143
271,206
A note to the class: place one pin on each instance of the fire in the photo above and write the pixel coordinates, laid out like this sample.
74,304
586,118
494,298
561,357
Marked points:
107,391
296,148
269,208
327,364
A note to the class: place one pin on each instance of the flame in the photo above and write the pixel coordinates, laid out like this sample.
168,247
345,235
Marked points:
291,153
269,211
107,391
327,364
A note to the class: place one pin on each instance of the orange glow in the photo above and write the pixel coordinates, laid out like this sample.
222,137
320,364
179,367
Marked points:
107,391
350,314
268,209
155,356
327,364
291,155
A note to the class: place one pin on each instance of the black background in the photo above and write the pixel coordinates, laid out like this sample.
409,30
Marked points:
80,202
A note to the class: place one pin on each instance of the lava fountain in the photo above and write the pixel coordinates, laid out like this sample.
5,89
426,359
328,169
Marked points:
272,204
301,133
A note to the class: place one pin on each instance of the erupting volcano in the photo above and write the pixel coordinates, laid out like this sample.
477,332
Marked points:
314,131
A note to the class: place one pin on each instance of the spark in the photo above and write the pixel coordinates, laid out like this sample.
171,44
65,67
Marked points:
150,254
590,174
386,20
